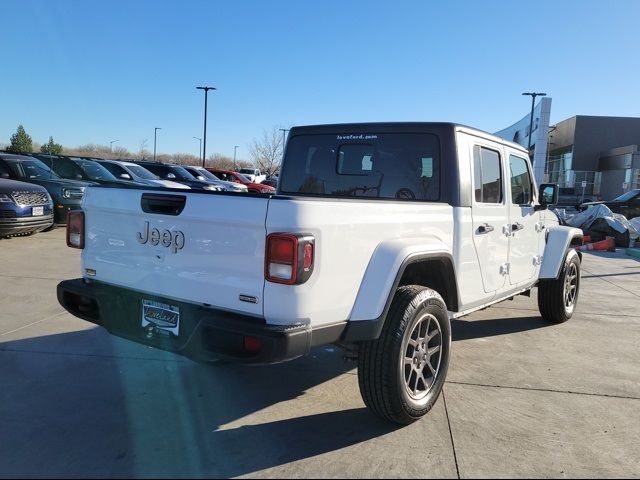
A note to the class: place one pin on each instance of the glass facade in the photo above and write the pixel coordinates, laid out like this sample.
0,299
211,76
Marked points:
559,170
558,167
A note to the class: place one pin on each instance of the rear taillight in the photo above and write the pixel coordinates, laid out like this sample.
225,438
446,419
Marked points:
289,258
75,229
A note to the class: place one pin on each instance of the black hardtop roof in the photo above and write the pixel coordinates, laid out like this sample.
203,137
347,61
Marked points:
442,129
377,127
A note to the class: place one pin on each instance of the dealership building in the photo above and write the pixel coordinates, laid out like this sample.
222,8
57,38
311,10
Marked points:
602,151
597,155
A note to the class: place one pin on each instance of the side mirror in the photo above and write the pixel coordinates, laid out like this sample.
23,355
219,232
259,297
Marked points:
125,176
170,176
547,195
200,177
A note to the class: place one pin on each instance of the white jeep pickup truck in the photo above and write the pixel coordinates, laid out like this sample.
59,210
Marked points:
379,235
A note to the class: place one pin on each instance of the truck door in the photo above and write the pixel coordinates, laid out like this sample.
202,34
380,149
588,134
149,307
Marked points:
524,223
490,216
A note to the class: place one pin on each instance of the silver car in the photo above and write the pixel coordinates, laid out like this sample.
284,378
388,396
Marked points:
205,175
133,171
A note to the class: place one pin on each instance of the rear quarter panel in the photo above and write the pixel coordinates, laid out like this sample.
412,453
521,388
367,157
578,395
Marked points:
347,233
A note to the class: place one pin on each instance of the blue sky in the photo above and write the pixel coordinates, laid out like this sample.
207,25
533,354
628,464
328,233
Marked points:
91,72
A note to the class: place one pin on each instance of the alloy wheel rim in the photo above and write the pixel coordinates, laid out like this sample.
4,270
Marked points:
421,356
570,286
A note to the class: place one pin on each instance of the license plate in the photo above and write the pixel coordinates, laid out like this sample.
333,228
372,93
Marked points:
37,211
163,316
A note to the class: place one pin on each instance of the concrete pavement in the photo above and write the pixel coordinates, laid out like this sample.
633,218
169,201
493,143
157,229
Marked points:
523,398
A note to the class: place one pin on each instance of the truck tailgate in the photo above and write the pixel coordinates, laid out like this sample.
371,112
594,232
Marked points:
212,252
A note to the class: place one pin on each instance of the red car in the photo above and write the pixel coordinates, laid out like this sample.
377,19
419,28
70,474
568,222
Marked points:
229,176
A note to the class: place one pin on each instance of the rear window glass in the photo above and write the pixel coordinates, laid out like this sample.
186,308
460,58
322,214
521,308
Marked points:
487,175
392,166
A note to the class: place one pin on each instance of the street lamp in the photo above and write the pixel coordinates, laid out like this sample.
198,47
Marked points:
200,148
206,92
111,145
234,157
533,96
284,138
155,133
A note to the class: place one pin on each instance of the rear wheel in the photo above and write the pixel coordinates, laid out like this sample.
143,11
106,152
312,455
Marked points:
401,374
557,298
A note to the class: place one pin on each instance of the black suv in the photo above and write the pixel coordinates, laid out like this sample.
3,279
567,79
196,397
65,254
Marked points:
176,173
79,168
24,208
66,194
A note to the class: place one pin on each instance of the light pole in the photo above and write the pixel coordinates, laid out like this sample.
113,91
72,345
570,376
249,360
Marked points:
533,96
206,92
155,133
111,145
199,148
284,138
234,157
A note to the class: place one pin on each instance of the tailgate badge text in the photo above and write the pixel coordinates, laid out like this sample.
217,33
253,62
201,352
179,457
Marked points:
167,238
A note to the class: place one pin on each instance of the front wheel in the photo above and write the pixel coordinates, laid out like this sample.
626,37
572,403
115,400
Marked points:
557,298
401,374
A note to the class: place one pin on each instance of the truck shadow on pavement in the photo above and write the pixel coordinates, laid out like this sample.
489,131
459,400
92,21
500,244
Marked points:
463,329
86,404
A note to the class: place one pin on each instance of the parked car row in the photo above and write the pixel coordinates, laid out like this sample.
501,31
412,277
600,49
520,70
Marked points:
38,190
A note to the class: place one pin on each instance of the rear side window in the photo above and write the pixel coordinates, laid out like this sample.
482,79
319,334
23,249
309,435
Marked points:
116,170
520,181
487,175
391,166
159,171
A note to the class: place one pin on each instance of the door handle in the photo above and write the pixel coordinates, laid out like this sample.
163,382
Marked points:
485,228
516,226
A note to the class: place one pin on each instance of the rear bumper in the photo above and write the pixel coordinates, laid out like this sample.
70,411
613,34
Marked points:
205,334
15,226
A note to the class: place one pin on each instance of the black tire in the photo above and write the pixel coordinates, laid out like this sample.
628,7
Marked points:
52,227
382,380
553,300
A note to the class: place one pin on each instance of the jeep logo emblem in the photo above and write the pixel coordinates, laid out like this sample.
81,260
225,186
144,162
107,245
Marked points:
173,240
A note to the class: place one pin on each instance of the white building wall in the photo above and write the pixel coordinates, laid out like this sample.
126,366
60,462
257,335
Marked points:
519,133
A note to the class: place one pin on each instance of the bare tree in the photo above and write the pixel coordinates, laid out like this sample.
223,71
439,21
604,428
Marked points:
218,160
143,153
185,159
119,152
266,152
